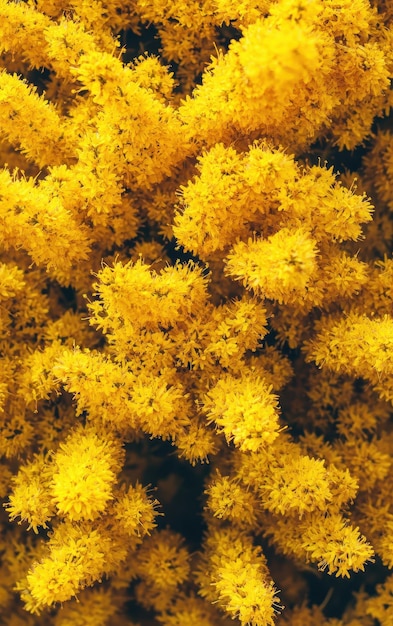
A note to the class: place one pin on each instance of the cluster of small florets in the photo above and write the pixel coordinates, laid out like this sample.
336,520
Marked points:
196,369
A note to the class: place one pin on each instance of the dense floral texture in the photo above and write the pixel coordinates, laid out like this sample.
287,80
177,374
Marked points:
196,370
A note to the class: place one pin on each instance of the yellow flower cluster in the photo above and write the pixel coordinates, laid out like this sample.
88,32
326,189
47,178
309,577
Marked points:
196,312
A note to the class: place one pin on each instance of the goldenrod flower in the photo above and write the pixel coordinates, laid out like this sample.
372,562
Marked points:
84,472
245,410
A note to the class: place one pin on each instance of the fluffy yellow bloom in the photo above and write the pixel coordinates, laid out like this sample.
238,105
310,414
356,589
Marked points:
27,41
245,595
367,461
162,564
32,123
149,73
214,203
30,498
77,557
228,500
112,393
163,550
16,430
11,281
32,216
356,343
271,365
238,572
342,277
245,410
337,546
238,327
263,66
194,303
130,293
279,268
135,510
196,442
329,540
84,472
300,485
